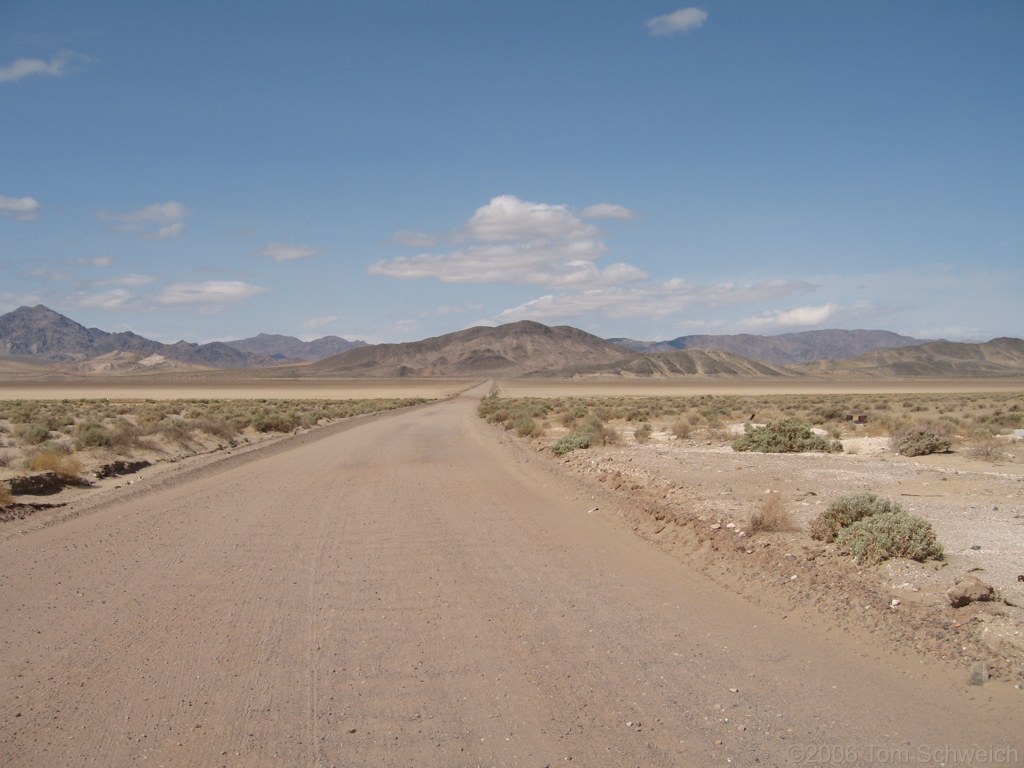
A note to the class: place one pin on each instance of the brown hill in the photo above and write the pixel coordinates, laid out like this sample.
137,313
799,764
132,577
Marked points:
784,348
685,363
999,357
517,349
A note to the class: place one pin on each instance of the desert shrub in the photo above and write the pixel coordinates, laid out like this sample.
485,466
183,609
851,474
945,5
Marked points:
525,426
785,436
988,449
920,440
5,460
34,434
772,516
277,421
642,433
847,510
889,534
681,428
216,427
91,435
5,494
60,463
568,443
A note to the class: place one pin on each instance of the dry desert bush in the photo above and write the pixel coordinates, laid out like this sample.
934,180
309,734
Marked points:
772,516
35,429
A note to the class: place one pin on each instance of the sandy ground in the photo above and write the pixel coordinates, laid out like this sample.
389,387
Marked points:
419,588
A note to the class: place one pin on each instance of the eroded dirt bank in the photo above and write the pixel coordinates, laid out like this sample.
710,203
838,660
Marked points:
411,591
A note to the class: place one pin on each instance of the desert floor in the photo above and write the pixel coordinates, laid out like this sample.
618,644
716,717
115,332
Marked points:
421,588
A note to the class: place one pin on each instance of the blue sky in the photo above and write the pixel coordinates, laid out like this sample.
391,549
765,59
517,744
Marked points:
390,170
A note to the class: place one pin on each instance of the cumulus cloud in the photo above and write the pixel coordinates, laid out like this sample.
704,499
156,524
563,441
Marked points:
676,22
607,211
209,292
515,241
20,68
22,208
283,252
650,300
160,221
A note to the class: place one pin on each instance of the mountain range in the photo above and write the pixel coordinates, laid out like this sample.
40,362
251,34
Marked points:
37,335
41,334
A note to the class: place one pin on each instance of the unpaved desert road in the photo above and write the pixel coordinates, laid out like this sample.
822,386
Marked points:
412,591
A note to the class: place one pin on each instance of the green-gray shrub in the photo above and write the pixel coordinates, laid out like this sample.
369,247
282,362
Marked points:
847,510
785,436
568,443
889,534
921,440
93,436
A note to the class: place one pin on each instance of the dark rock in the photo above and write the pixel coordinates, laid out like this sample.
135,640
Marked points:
120,468
970,590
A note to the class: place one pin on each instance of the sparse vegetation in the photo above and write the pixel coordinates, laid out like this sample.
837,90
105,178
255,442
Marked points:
772,516
921,440
642,433
847,510
889,534
786,436
64,465
5,495
569,443
41,433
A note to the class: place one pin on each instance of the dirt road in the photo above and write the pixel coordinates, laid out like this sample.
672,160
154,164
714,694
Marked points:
413,591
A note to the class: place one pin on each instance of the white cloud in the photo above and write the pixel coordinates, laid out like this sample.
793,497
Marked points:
282,252
414,239
160,221
649,301
790,318
607,211
516,241
209,292
99,261
117,298
20,68
21,208
676,22
130,280
319,322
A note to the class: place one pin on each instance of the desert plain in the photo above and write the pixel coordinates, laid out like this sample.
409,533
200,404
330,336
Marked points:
422,587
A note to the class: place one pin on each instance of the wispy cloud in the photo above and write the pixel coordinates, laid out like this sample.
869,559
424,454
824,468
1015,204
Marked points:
99,261
283,252
211,292
129,280
677,22
22,208
414,239
650,300
55,67
319,322
515,241
160,221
